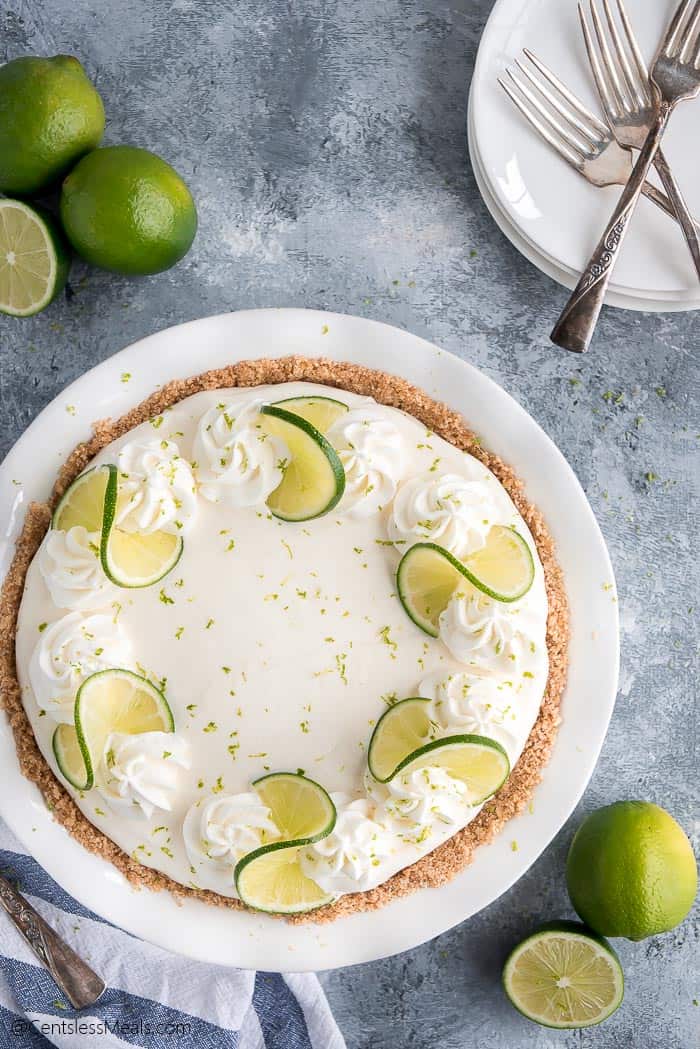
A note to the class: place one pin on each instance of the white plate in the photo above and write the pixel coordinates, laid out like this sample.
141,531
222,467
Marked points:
256,941
548,202
546,265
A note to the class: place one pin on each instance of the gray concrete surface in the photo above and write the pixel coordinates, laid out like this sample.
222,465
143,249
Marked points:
324,141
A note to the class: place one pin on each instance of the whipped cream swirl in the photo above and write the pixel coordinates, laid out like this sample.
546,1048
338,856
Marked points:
483,633
347,860
157,491
70,650
373,453
469,703
220,830
143,773
70,565
236,462
423,797
447,509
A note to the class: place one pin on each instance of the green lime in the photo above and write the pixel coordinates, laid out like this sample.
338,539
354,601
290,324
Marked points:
50,116
34,259
321,412
126,210
631,871
314,478
84,502
400,731
480,763
564,976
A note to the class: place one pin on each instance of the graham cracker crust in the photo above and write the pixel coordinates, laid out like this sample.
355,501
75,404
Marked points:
452,856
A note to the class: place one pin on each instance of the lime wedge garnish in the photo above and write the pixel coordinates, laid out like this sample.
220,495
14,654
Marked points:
270,878
480,763
84,502
321,412
564,976
34,259
400,731
135,559
69,756
428,575
314,478
109,701
299,807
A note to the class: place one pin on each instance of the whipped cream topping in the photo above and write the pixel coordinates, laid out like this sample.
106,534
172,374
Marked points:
219,830
70,650
464,702
373,453
484,633
237,463
156,488
143,773
70,565
446,509
347,860
423,797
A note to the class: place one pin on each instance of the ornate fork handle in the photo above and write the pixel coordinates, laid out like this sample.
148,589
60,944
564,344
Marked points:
574,329
76,979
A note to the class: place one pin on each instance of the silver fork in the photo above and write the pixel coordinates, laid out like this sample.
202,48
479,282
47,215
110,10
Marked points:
577,135
675,76
622,79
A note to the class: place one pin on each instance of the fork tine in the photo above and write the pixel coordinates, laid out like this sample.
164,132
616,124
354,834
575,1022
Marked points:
603,90
557,120
591,125
567,152
634,46
673,33
689,46
607,60
623,60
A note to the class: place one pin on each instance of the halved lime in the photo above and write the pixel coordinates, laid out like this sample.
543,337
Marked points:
84,502
564,976
69,756
34,259
314,478
134,559
299,807
321,412
400,731
479,762
113,701
428,575
271,879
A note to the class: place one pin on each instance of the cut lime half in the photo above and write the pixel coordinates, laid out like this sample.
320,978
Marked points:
34,259
564,976
114,701
299,807
321,412
480,763
314,478
85,501
271,880
400,731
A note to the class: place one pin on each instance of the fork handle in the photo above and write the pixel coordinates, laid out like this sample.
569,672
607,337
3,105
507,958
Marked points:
680,208
576,325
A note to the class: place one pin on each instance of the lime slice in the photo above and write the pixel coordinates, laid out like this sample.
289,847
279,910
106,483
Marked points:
428,575
314,478
564,976
400,731
480,763
299,807
84,502
271,879
69,756
133,559
34,260
321,412
114,701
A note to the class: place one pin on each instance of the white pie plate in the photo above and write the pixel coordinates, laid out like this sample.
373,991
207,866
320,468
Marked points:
255,941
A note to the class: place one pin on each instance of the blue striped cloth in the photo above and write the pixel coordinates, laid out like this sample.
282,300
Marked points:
154,999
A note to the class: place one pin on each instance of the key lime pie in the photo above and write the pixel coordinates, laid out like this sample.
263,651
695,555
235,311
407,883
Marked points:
292,644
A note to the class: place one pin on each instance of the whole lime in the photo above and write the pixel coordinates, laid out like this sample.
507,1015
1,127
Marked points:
126,210
50,116
631,871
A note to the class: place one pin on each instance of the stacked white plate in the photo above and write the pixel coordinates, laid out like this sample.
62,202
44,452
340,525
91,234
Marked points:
544,207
